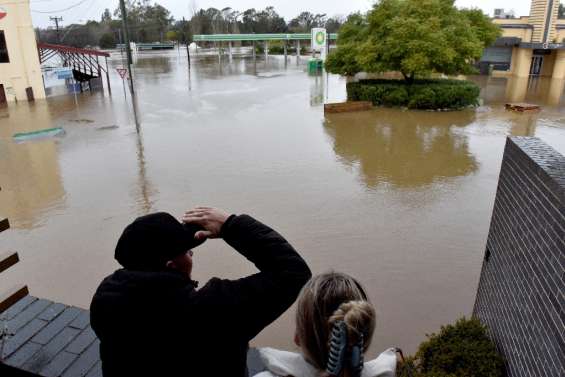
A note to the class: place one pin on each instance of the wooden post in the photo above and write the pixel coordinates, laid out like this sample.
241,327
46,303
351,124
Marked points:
254,53
230,51
285,52
266,50
297,52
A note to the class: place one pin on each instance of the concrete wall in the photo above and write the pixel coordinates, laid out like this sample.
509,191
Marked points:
24,70
520,296
542,12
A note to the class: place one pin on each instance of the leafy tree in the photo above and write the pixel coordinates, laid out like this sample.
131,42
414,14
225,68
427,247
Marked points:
107,40
106,16
351,35
561,13
334,23
172,35
413,37
305,21
459,350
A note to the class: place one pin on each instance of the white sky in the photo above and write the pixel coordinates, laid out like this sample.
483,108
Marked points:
92,9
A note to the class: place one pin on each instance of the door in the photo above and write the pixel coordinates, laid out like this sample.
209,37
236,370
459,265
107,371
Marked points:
537,63
3,100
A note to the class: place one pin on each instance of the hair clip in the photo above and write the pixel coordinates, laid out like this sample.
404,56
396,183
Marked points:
356,360
338,348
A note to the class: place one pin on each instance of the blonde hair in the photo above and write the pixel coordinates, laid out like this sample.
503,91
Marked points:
328,298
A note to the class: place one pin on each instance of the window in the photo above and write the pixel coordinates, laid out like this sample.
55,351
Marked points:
4,57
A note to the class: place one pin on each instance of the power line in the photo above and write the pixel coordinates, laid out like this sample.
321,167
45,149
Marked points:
56,20
61,10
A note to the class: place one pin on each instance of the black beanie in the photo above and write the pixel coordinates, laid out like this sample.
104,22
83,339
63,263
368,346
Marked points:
152,240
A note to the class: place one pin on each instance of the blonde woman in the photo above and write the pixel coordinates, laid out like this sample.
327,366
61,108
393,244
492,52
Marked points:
334,327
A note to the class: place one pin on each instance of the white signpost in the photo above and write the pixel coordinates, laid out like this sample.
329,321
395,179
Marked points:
320,42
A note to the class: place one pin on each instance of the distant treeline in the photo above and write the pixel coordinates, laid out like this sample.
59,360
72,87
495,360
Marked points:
154,23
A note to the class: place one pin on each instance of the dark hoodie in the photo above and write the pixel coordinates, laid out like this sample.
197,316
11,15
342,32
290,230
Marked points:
159,324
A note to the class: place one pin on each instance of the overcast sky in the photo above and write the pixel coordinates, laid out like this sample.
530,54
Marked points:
92,9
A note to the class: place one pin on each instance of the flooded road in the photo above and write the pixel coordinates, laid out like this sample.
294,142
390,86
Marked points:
401,200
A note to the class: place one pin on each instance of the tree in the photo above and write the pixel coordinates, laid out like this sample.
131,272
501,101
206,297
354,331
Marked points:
351,35
415,38
461,349
172,35
561,13
334,23
106,16
107,40
305,21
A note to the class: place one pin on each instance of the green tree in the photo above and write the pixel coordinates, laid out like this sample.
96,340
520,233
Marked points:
459,350
351,35
107,40
305,21
172,35
334,23
561,13
413,37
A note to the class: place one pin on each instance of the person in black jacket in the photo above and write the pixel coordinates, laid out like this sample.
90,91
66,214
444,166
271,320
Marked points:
152,321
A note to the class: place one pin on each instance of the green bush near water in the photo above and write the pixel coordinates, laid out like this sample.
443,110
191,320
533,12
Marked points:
459,350
421,94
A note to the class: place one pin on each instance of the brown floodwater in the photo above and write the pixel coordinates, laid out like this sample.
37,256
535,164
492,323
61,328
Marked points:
399,199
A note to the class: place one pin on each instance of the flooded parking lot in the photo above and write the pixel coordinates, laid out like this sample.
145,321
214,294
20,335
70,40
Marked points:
399,199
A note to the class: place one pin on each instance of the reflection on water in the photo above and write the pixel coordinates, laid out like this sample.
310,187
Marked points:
405,149
365,192
30,176
144,190
537,90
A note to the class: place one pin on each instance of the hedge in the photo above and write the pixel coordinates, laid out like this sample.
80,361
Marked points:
459,350
421,94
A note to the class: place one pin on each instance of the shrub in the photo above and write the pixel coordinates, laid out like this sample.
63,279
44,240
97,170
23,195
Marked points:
107,40
459,350
421,94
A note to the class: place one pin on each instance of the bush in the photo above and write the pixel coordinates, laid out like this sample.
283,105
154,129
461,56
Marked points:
107,40
459,350
421,94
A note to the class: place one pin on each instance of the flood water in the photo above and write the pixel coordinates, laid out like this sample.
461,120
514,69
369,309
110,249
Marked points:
399,199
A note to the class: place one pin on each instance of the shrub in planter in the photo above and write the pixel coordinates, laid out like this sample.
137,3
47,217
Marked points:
459,350
420,94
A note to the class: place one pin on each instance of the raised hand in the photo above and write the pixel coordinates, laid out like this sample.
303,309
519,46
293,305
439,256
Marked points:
211,219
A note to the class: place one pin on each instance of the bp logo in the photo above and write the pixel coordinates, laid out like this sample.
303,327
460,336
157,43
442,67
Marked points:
320,38
3,13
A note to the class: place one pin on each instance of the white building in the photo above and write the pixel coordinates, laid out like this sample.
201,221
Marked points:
20,71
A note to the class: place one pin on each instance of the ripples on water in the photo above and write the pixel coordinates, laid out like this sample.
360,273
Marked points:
399,199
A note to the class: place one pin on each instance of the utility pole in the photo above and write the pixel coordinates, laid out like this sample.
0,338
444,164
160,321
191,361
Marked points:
127,43
56,20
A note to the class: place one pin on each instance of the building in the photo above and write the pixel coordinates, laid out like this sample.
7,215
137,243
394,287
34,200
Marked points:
501,13
20,71
530,45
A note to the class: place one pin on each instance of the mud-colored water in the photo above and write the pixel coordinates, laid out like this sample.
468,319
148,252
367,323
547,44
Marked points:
400,199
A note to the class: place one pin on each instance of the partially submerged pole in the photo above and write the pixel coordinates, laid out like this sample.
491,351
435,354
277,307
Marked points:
108,77
126,41
297,51
230,51
266,50
254,52
285,52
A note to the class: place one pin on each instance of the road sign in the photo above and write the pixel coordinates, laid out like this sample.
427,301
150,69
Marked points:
123,72
64,73
3,13
319,39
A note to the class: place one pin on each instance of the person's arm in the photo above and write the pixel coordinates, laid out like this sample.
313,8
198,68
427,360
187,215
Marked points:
253,302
